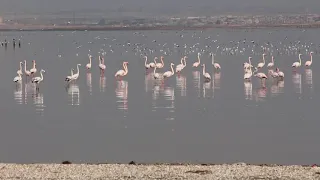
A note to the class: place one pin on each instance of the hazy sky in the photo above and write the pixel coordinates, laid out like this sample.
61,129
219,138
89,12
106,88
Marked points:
161,5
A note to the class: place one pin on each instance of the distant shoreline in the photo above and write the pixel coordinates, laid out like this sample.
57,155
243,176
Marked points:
144,28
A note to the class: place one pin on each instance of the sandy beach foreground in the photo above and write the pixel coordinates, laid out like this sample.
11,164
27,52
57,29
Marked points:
124,171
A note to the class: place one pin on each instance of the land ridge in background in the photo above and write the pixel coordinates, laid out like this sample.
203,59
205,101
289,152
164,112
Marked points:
79,22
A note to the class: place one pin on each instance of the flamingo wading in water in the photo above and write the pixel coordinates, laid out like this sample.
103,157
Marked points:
196,64
88,66
122,72
38,80
298,63
206,75
20,69
309,63
101,65
26,72
260,65
34,69
215,65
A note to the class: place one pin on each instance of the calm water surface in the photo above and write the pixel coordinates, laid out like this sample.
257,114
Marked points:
98,119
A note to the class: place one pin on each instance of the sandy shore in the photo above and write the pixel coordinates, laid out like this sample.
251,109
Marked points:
124,171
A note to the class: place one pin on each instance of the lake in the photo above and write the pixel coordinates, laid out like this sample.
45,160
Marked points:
183,119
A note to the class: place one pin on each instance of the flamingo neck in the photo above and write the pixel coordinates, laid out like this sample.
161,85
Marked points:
199,58
263,59
90,60
34,64
125,68
185,62
172,69
311,58
25,65
71,72
41,75
203,69
145,61
272,59
162,62
181,61
155,60
78,69
20,67
212,59
300,59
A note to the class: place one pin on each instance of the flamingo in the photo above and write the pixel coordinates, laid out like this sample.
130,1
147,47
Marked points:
206,75
169,73
160,65
260,75
152,64
196,64
260,65
26,72
271,64
247,65
179,67
76,75
101,64
156,75
248,74
273,74
88,66
17,78
298,63
309,63
145,63
34,69
280,73
38,80
215,65
69,78
20,69
122,72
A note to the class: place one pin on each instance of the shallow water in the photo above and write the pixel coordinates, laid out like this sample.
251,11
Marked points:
98,119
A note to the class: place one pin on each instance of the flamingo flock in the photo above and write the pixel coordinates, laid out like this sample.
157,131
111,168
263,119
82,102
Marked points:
249,70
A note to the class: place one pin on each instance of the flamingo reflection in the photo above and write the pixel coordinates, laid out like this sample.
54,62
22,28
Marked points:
196,81
89,82
18,95
296,79
73,94
122,94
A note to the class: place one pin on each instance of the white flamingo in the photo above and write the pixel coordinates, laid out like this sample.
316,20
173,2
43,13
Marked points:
179,67
271,64
76,75
280,73
309,63
247,65
69,78
26,72
196,64
273,74
88,66
160,65
215,65
206,75
298,63
169,73
20,69
33,70
38,80
17,78
155,74
260,65
122,72
152,64
248,74
260,75
147,66
102,67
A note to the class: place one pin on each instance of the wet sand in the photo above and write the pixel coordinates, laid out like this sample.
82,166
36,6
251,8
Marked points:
125,171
